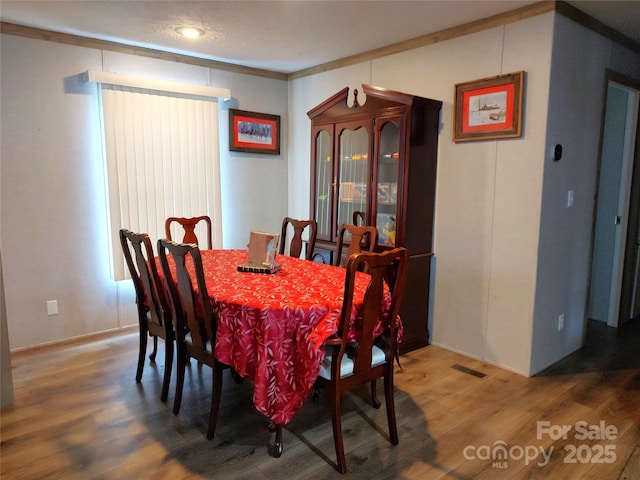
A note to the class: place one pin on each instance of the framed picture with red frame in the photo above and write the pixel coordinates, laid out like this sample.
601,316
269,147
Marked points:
254,132
489,108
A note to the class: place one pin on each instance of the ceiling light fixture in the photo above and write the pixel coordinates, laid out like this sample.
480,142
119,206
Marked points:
190,32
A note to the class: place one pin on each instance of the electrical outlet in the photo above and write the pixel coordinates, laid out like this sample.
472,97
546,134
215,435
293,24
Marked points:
52,307
560,321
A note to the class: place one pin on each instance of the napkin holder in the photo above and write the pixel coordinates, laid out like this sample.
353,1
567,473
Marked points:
263,248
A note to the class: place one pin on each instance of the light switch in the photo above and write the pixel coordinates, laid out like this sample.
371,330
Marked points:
570,198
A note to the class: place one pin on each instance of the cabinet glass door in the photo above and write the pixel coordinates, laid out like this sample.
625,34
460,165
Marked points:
324,177
353,174
387,183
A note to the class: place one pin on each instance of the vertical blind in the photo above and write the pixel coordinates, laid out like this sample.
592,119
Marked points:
162,160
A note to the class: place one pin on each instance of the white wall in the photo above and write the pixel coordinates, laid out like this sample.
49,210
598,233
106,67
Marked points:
254,192
52,194
52,189
576,104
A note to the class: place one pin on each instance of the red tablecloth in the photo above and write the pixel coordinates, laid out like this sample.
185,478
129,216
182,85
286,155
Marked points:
271,327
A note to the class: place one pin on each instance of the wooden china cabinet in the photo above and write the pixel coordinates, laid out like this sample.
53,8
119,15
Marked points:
376,163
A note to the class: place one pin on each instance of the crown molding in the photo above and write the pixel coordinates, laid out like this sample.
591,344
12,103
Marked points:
80,41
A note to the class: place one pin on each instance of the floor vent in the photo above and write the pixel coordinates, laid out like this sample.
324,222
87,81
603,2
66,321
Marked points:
470,371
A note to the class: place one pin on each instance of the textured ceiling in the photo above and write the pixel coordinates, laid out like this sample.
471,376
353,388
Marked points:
283,36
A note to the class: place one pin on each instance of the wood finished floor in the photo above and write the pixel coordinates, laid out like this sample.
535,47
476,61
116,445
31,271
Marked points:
79,414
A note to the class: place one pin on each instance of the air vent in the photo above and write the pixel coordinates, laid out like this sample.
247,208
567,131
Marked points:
469,371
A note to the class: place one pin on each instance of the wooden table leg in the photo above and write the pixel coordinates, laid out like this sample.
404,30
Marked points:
275,448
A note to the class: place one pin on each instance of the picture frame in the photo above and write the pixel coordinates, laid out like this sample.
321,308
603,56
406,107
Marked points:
253,132
489,108
386,224
346,191
384,192
359,193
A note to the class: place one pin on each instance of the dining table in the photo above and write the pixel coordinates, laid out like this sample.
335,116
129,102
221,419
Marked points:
272,326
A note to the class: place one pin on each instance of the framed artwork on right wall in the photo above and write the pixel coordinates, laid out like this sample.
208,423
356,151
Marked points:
489,108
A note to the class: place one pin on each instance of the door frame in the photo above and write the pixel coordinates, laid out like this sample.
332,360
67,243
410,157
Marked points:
633,216
620,294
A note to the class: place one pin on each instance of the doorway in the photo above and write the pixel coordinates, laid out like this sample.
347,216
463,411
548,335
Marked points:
615,256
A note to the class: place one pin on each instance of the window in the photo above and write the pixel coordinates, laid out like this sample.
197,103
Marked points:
162,159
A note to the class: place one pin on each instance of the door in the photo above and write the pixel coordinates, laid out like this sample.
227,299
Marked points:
322,183
354,173
387,173
612,210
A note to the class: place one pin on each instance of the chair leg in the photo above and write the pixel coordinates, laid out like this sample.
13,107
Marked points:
336,421
182,363
152,357
142,351
215,399
236,377
374,395
168,365
391,409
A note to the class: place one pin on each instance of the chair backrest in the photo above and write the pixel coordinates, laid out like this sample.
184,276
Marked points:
188,293
362,239
295,246
189,225
358,218
386,270
150,295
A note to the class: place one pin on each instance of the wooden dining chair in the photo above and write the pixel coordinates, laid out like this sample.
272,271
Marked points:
361,239
348,364
358,218
189,225
154,313
295,246
194,323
